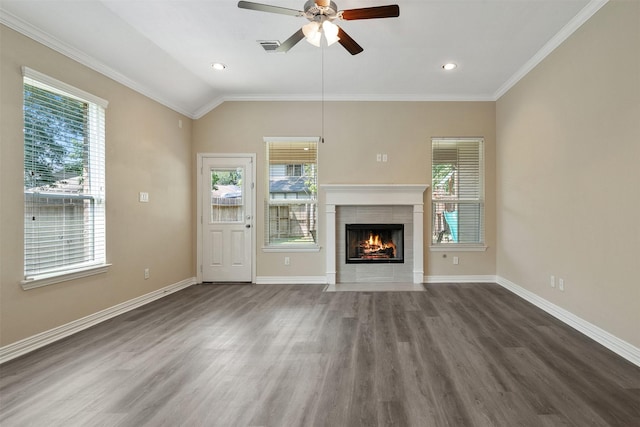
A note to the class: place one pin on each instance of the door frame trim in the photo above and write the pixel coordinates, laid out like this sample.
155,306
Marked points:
252,188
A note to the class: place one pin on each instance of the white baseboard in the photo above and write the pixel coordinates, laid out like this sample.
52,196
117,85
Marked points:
460,279
291,280
34,342
613,343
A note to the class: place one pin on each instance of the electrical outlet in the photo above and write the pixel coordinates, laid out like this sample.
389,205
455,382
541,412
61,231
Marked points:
287,260
561,284
552,281
146,273
456,260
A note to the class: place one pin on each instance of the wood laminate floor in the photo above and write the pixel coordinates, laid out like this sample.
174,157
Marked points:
268,355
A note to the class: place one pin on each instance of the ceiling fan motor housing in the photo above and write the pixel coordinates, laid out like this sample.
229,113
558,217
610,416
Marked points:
321,14
320,11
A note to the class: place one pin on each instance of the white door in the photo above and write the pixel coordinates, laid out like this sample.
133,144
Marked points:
227,221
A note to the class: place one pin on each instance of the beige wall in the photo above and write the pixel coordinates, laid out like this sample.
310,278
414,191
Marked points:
561,182
568,170
354,132
145,151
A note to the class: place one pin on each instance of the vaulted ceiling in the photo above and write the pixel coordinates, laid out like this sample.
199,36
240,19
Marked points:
165,48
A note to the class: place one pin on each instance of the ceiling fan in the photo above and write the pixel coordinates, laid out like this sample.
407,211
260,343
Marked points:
321,14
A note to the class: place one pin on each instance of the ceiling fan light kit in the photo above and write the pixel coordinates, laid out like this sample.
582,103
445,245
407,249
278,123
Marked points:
321,14
312,33
330,31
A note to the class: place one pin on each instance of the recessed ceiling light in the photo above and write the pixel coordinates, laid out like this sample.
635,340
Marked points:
218,66
449,66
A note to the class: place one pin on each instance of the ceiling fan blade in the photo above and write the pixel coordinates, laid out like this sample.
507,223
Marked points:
291,41
348,43
268,8
390,11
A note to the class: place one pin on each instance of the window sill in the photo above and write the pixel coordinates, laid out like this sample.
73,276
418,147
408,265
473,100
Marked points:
292,248
52,278
457,248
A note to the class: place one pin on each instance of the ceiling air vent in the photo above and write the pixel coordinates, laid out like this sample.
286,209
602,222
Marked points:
269,45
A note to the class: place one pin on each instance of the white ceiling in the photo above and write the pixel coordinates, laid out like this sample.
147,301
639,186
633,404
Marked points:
165,48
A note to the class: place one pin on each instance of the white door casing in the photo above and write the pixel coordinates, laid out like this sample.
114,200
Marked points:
226,210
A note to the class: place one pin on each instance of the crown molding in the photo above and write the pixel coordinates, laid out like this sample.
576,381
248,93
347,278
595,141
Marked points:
40,36
205,109
583,16
28,30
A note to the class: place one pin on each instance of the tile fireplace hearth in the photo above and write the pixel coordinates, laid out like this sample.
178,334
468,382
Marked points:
376,195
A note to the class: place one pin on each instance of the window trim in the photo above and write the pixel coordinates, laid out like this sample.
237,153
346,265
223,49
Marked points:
41,280
288,247
79,270
65,87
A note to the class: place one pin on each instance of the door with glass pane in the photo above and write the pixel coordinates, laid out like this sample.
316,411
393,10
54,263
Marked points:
227,219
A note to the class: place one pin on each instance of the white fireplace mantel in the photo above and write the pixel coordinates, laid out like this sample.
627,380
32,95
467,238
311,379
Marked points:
374,195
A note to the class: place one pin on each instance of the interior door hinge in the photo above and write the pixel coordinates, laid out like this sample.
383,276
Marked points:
253,185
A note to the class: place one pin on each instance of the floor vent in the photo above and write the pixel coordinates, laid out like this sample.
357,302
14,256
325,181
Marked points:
269,45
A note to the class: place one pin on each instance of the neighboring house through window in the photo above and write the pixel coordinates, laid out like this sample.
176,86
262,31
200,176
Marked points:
291,203
457,192
64,179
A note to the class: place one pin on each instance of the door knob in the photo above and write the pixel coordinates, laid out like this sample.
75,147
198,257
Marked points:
248,226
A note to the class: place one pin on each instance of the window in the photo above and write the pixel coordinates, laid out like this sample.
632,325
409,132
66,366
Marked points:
295,170
457,192
64,180
227,204
291,202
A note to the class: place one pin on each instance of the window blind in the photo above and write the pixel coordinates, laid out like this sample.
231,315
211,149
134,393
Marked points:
457,191
64,177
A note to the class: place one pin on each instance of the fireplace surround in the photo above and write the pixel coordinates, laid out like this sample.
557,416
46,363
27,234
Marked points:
373,195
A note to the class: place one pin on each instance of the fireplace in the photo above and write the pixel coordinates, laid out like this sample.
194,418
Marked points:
374,243
374,196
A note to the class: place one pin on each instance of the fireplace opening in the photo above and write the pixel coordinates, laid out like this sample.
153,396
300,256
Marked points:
374,243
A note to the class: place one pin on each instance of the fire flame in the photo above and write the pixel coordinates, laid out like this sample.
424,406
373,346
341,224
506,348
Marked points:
375,244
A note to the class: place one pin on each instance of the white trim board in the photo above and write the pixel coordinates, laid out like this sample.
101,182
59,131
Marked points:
42,339
460,279
602,337
613,343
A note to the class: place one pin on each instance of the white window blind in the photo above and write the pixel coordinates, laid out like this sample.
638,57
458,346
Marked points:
457,191
64,178
291,202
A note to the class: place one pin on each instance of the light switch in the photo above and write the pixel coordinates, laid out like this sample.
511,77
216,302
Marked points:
144,197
